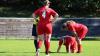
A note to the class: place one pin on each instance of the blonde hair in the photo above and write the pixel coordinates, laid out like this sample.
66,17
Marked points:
70,21
46,2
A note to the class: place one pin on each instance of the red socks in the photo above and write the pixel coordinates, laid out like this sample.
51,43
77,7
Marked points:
47,46
39,43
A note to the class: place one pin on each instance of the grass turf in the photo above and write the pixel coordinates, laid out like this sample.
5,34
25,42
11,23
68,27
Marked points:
26,48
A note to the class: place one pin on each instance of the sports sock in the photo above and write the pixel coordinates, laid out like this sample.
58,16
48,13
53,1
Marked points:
39,44
47,46
35,43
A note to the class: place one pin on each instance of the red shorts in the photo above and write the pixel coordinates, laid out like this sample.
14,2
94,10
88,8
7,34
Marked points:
44,28
82,33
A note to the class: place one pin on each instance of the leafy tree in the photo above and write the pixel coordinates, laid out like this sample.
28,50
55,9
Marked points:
63,7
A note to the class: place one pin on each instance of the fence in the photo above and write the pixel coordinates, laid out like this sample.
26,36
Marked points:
21,28
15,27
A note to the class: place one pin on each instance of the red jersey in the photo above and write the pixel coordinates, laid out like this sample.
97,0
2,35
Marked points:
44,24
80,29
75,27
69,40
45,14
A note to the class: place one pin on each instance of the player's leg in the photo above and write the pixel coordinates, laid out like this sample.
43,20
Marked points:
47,43
60,44
34,34
40,39
48,33
81,36
67,48
39,43
35,43
80,48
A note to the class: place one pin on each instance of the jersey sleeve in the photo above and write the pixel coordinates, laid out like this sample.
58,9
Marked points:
37,12
53,13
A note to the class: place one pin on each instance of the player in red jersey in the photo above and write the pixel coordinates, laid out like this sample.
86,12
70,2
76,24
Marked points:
44,27
79,31
69,42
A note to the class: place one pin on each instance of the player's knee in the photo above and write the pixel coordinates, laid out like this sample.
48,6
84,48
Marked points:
79,41
40,38
48,37
35,38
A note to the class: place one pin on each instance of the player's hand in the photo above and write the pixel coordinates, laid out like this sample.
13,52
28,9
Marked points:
52,19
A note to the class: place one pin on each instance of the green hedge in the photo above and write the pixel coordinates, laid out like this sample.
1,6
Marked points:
71,8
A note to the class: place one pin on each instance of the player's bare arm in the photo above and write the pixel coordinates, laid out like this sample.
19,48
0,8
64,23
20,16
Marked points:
68,48
34,16
75,35
60,44
54,18
58,49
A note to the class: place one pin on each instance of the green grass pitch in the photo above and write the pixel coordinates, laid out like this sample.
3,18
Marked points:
26,48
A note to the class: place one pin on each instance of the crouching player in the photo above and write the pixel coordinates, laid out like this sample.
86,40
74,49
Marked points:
69,42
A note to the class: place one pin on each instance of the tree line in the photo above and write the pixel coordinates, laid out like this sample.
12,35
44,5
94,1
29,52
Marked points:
77,8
